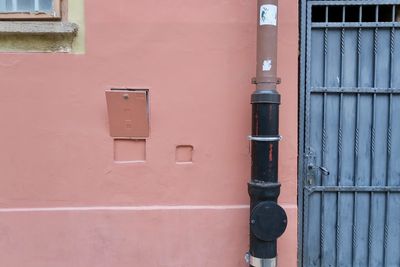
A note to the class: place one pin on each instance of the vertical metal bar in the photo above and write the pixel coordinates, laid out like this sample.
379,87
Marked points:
342,48
324,139
340,139
14,5
3,6
372,178
389,141
307,139
308,83
359,49
388,166
355,204
373,140
376,49
356,147
37,5
306,258
339,175
392,44
302,136
326,48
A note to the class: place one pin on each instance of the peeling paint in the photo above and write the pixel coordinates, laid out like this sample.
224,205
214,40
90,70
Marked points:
35,43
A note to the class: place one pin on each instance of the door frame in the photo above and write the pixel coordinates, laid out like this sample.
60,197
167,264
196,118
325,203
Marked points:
301,129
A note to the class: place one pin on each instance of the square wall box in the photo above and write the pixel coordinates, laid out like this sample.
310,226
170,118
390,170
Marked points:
128,112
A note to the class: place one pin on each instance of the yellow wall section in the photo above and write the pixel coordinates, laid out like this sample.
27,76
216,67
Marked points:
28,42
76,14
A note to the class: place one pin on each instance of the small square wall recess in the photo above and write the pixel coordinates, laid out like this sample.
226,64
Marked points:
129,150
184,154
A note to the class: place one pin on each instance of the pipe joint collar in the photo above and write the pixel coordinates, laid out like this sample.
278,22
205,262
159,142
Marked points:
261,191
266,97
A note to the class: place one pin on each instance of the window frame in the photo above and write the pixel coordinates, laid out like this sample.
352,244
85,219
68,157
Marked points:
55,14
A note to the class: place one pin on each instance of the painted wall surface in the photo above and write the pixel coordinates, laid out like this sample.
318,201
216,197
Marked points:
66,202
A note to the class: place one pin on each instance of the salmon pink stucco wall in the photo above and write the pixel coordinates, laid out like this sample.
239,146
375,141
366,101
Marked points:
64,201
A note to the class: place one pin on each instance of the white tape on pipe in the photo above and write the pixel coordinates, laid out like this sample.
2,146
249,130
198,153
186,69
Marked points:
268,15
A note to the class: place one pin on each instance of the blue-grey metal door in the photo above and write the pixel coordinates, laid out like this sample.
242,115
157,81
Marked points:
350,171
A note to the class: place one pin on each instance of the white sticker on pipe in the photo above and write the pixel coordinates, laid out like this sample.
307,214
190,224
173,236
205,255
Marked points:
268,15
267,65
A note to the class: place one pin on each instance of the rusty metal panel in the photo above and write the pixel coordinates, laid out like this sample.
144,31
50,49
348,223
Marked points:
128,112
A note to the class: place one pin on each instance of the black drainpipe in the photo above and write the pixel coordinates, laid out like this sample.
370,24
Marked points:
268,220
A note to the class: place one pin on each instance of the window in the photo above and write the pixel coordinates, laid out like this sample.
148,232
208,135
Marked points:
30,9
42,26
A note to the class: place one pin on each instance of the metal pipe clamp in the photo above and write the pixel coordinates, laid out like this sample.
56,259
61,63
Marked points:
257,262
265,138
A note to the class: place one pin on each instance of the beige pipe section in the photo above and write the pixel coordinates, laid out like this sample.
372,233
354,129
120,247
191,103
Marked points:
267,42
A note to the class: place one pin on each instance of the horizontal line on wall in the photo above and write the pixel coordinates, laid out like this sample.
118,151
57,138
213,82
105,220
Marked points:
124,208
131,208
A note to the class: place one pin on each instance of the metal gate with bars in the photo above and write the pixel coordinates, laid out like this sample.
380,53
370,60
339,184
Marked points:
349,176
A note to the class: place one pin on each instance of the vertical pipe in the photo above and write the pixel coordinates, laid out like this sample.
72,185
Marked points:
268,220
267,44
